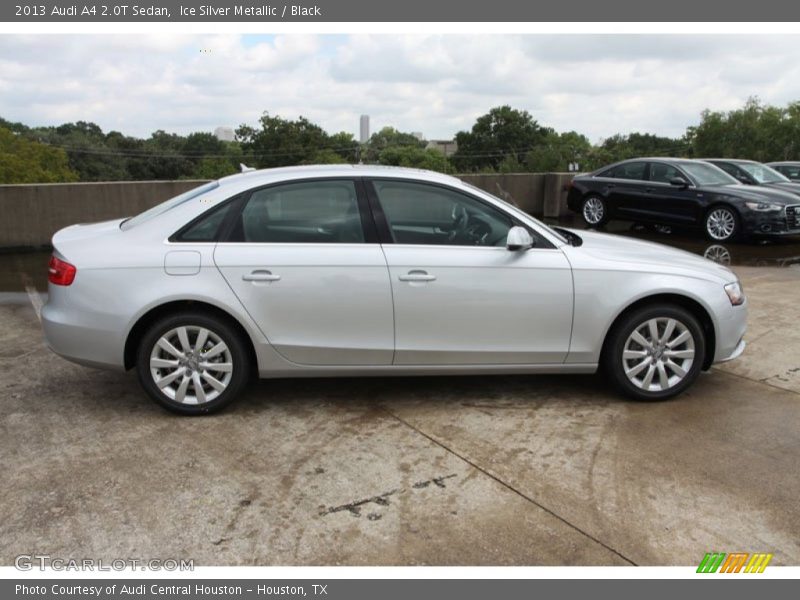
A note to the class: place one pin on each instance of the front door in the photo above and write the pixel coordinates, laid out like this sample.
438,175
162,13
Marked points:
460,297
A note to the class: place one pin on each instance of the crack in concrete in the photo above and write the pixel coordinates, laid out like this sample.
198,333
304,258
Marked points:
507,485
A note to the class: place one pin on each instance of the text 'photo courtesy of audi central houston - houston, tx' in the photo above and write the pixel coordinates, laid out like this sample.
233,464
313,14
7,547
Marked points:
361,270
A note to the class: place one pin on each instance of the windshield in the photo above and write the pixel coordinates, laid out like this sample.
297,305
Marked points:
762,173
559,236
168,205
707,174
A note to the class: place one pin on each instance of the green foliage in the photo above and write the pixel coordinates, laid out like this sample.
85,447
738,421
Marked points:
415,157
495,136
755,131
26,161
557,151
280,142
503,140
388,137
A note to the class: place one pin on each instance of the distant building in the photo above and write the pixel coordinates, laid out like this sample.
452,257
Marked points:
446,147
224,134
418,135
364,129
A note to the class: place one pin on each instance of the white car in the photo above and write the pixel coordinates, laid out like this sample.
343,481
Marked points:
362,270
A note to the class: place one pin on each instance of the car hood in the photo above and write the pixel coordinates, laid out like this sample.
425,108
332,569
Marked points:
624,253
787,186
756,193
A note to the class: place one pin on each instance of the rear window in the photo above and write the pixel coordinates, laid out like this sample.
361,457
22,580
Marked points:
159,209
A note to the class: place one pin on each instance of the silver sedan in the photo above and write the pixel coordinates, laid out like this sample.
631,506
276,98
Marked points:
359,271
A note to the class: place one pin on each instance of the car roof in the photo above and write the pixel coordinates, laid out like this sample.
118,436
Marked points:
265,176
788,163
732,160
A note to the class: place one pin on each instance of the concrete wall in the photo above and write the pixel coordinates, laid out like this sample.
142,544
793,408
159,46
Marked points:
30,214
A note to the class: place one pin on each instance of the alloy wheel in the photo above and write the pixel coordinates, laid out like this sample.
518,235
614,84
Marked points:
191,365
720,223
658,354
593,211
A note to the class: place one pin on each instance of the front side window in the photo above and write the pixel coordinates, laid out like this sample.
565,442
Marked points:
663,173
312,212
707,174
424,214
762,173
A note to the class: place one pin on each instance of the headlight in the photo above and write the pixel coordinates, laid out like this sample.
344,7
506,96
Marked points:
735,293
763,206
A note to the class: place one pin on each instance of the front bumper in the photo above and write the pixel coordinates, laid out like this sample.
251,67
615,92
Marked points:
737,352
779,223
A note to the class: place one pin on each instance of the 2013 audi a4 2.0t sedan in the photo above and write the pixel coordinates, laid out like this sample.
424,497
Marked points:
360,270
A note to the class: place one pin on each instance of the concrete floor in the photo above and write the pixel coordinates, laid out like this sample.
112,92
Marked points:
444,471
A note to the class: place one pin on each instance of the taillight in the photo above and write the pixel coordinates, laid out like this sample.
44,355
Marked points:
60,272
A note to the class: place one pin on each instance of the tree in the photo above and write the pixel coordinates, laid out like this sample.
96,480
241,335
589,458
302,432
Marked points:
415,157
557,151
755,131
388,137
281,142
501,133
26,161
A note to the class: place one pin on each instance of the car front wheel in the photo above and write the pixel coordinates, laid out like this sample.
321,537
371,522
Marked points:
722,223
655,352
192,363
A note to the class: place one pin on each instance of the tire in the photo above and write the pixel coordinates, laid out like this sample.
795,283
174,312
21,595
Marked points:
594,211
162,355
722,223
629,363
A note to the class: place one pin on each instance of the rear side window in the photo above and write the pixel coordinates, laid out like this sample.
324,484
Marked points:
314,212
207,227
633,170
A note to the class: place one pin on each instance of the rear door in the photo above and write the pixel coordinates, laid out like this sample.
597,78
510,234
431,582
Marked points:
303,258
628,188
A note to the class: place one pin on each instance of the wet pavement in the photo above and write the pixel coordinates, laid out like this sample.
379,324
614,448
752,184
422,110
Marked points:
439,470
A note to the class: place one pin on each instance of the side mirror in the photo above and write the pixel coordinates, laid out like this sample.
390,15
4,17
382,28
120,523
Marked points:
518,238
679,182
743,179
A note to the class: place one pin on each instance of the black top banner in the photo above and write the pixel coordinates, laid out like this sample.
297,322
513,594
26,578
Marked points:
465,11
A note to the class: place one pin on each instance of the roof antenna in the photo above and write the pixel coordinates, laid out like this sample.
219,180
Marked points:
245,168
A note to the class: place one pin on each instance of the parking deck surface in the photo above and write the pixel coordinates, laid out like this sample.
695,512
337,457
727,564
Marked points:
403,471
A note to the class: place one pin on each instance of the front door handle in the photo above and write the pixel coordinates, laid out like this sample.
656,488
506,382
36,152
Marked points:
261,275
417,275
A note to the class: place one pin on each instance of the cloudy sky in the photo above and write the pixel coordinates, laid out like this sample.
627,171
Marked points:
597,85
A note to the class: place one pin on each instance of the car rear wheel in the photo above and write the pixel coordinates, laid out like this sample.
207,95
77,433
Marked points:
192,363
655,352
722,223
594,211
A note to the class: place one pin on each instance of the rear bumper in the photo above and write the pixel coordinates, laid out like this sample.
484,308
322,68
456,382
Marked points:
80,342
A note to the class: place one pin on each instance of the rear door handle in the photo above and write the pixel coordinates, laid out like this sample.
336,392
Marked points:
417,275
261,275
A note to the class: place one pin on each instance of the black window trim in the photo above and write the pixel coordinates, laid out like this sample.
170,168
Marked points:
541,242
